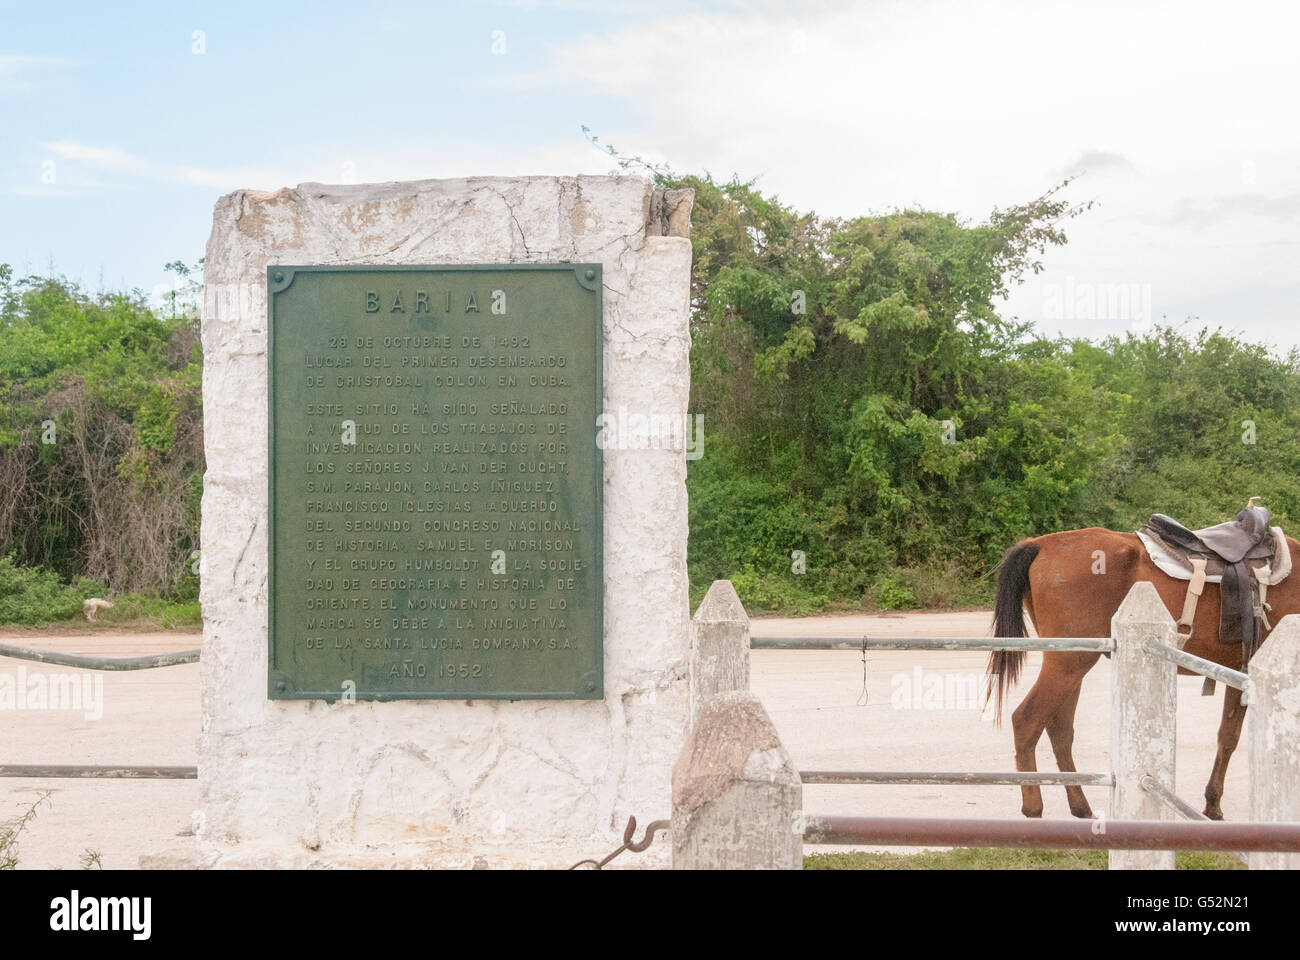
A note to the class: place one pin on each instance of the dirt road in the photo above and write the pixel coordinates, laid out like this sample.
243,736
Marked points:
918,714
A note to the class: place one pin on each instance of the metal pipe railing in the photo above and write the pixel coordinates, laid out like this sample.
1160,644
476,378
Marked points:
43,771
906,777
1206,668
1170,799
88,662
1030,644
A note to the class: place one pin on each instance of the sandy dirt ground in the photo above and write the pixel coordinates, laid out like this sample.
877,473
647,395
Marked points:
814,698
149,717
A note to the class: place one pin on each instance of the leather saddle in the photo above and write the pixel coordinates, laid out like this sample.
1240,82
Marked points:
1231,542
1243,554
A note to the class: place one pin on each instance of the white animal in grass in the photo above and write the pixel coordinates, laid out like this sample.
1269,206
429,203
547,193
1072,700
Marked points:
92,606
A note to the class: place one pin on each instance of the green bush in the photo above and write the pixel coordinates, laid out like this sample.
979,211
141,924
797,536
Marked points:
763,592
945,585
31,595
894,592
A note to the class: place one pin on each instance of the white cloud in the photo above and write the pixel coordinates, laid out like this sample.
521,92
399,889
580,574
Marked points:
114,160
1182,120
454,160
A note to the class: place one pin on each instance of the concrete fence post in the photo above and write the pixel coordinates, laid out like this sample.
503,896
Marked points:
1144,704
1274,723
719,660
737,798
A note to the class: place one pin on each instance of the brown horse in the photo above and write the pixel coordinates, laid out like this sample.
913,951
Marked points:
1071,584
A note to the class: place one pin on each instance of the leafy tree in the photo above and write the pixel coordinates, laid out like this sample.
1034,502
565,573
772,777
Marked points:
101,454
867,402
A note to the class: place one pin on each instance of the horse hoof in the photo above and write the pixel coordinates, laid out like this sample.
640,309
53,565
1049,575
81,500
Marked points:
1214,813
1032,813
1084,814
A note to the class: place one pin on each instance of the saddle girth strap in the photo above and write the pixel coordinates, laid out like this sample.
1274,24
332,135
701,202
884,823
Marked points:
1261,595
1194,589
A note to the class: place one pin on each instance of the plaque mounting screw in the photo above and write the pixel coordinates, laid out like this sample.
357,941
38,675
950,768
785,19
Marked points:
280,686
591,685
591,274
279,276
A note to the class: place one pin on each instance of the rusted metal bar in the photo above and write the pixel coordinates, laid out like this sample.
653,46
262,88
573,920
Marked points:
1086,644
1074,834
1206,668
1011,778
1170,799
86,662
43,771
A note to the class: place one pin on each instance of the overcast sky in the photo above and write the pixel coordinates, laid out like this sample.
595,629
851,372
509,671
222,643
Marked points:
119,127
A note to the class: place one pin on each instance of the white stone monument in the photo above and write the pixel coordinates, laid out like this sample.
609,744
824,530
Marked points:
447,783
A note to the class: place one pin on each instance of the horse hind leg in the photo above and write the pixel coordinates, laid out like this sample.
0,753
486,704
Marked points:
1060,731
1229,733
1050,705
1027,723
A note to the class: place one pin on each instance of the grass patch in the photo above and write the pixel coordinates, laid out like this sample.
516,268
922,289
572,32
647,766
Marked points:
141,612
1003,858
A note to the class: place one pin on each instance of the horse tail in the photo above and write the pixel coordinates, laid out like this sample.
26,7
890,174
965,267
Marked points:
1003,668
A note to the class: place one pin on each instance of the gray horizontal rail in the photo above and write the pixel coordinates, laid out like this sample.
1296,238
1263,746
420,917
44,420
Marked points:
1170,799
1084,644
1011,778
42,771
86,662
1206,668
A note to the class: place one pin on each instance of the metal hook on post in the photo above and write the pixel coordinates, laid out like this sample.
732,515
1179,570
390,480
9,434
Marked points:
628,843
862,697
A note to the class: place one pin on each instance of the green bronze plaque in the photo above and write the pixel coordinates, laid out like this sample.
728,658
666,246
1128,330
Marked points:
435,499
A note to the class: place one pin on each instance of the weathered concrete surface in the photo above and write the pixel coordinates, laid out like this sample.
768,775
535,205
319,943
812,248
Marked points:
719,645
670,213
445,783
1144,710
1274,722
736,793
